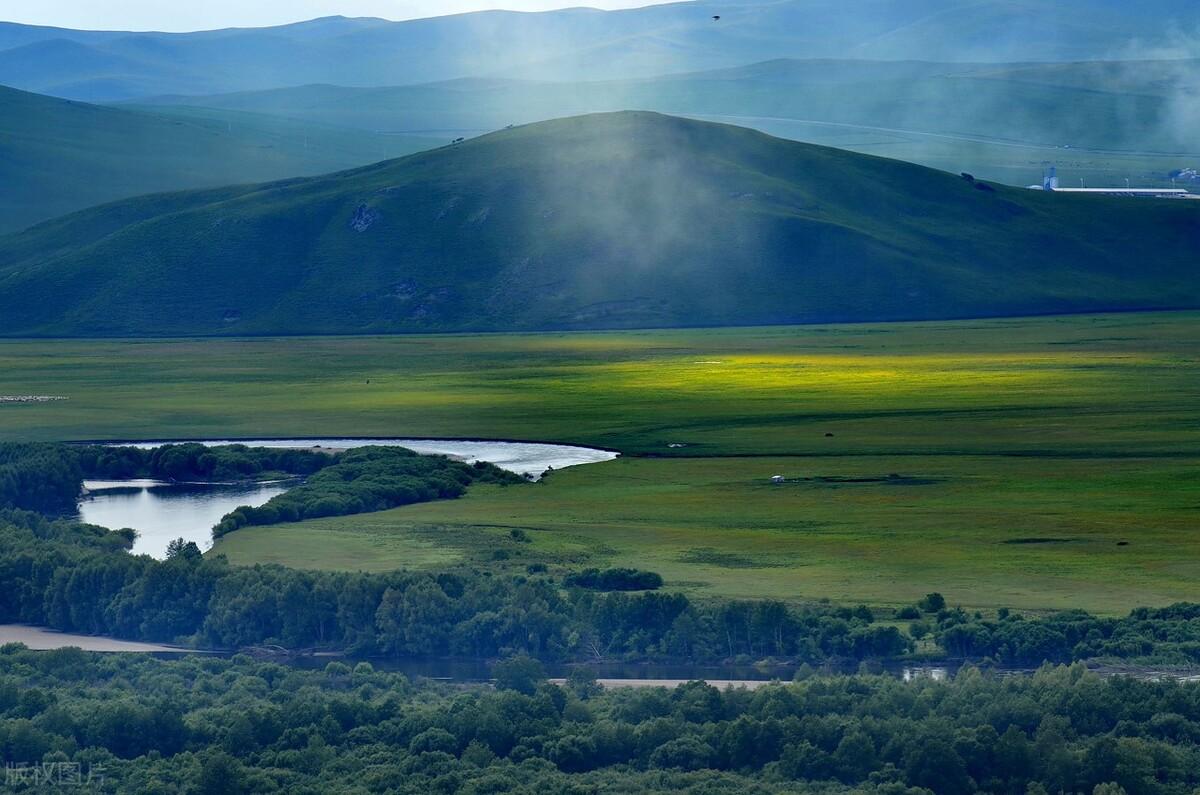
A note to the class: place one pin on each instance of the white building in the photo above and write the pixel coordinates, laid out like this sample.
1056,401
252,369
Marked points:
1050,185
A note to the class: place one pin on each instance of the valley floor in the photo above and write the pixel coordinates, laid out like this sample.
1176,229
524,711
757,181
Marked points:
1034,463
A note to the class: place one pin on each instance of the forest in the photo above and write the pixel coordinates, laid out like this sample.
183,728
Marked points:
210,725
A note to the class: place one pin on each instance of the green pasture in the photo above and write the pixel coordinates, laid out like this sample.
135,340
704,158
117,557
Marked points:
1026,450
1085,386
1031,533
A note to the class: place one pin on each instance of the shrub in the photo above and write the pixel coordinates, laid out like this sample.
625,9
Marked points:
932,603
522,674
614,580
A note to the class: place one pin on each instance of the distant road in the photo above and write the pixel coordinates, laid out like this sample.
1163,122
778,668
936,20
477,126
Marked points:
720,684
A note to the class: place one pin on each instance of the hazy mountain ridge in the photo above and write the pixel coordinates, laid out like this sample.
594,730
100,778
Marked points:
620,220
1105,105
579,43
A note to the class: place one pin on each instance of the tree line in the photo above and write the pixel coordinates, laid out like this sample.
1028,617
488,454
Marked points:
192,461
1168,635
78,578
74,577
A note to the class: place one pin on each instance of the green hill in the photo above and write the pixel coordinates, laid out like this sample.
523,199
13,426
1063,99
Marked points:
620,220
58,156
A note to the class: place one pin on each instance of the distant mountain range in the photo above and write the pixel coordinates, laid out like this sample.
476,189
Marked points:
583,44
604,221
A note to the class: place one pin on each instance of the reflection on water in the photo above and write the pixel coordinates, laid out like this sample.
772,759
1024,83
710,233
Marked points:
161,512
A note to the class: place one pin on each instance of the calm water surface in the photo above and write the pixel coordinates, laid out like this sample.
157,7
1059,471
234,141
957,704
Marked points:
162,512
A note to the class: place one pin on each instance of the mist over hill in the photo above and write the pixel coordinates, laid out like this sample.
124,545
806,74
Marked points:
1122,105
606,221
579,43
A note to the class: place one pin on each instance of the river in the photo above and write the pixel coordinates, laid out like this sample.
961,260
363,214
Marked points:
608,674
161,512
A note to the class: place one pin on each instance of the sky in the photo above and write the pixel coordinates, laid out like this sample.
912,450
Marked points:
182,15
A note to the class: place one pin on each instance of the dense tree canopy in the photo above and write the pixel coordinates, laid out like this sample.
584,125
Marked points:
239,726
39,477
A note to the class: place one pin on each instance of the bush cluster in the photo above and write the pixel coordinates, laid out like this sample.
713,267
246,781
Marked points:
614,580
364,480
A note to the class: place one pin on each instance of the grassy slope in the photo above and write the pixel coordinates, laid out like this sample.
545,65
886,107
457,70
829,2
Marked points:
1083,430
617,220
58,156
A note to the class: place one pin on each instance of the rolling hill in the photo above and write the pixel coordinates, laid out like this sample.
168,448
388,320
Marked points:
604,221
580,43
58,156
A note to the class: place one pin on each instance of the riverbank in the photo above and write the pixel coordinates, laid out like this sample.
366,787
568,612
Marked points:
44,639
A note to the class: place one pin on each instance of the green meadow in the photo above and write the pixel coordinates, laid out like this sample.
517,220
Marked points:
1033,534
1035,463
